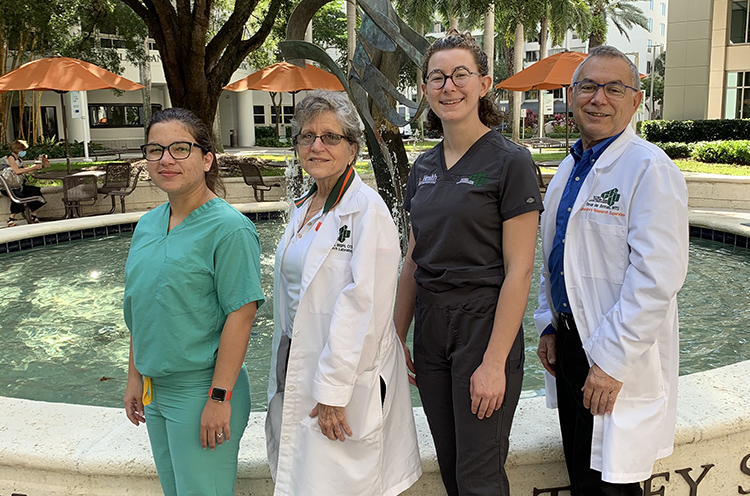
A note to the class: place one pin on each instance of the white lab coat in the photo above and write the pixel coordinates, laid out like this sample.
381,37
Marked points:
624,264
343,343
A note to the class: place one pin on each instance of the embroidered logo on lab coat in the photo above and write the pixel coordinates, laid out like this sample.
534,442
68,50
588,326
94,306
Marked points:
341,244
605,203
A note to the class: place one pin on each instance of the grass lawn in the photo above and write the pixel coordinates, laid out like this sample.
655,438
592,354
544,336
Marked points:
687,165
364,167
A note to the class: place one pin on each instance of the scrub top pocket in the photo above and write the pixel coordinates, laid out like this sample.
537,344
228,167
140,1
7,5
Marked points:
182,287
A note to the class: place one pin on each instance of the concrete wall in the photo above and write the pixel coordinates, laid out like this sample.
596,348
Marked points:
55,449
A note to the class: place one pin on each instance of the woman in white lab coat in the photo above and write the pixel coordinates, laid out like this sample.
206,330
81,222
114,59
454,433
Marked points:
339,416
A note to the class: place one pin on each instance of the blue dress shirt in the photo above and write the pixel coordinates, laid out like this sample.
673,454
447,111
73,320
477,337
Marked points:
584,161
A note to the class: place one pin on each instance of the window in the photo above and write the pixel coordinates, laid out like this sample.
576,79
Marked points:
259,114
531,95
49,122
662,29
650,25
738,22
531,56
558,93
650,4
648,67
663,9
287,111
117,115
737,96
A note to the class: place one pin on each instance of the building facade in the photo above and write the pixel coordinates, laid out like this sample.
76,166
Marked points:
708,63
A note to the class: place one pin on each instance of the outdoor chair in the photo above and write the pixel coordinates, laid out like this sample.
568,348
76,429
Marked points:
23,201
252,176
120,180
78,190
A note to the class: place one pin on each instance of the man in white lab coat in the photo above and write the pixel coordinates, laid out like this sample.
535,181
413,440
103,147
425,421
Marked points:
615,242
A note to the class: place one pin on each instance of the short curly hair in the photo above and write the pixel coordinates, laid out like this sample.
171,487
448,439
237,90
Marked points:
488,111
319,101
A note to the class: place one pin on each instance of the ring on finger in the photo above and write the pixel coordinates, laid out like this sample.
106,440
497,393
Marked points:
220,435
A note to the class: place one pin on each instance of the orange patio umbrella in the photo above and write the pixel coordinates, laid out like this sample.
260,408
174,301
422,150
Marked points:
550,73
63,74
289,78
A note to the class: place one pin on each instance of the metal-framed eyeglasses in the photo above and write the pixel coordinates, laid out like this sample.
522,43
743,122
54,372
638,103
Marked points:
614,91
460,77
179,150
328,139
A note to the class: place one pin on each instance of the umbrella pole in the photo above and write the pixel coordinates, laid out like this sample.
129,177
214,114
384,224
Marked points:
567,125
65,130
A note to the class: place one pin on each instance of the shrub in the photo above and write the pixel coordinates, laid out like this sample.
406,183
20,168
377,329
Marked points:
271,141
723,152
693,131
265,132
677,150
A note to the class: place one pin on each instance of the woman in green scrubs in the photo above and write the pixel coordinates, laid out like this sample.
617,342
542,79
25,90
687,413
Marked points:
192,288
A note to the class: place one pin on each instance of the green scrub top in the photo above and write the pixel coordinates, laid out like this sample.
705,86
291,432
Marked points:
181,285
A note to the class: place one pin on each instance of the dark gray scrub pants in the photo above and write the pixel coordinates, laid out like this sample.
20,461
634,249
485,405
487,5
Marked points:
576,421
451,333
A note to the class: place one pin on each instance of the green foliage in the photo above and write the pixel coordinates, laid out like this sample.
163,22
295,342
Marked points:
694,131
676,150
329,29
723,152
658,88
264,132
272,142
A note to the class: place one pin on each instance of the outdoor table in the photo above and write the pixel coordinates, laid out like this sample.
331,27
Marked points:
47,175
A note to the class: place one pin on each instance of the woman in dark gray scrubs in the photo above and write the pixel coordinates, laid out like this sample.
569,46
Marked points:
474,204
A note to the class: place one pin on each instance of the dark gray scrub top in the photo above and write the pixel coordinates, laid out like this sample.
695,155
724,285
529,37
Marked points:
457,215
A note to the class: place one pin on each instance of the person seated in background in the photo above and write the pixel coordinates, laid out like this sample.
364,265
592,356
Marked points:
17,182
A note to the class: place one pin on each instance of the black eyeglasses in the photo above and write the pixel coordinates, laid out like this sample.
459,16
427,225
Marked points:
329,139
615,91
460,77
179,150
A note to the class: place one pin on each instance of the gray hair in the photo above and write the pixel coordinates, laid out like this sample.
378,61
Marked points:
611,52
320,101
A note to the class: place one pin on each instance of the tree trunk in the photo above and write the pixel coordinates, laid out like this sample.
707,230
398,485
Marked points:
351,28
489,39
420,123
196,71
543,32
144,68
517,95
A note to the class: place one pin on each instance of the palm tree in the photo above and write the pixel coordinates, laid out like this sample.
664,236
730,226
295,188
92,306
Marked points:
624,14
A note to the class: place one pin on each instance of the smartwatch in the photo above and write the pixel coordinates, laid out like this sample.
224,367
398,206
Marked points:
219,394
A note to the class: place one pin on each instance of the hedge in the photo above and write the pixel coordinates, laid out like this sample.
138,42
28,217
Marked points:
677,150
723,152
715,152
694,131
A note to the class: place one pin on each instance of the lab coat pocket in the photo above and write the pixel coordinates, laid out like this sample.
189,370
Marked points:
364,413
598,239
182,287
332,277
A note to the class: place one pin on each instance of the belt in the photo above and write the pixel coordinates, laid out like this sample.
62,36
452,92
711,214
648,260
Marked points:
566,321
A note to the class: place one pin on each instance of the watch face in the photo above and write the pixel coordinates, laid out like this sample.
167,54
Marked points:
218,394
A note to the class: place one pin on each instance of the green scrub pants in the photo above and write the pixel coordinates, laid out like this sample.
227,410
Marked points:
173,420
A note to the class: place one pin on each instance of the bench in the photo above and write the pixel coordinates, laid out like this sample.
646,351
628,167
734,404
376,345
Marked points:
541,143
